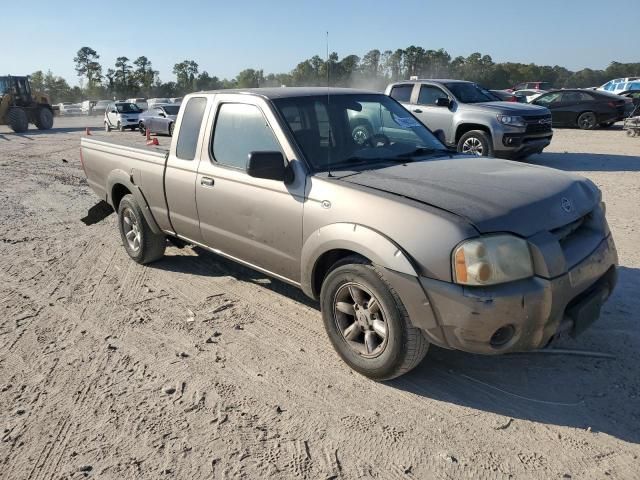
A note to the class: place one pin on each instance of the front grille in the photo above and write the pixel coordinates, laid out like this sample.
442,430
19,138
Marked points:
534,125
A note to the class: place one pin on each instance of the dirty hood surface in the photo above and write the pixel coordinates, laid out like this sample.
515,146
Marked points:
493,195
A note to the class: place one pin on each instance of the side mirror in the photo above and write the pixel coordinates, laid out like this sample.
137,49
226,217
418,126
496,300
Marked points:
268,165
440,136
162,115
443,102
114,111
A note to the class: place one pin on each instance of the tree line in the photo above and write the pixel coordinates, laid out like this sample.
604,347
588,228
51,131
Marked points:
374,70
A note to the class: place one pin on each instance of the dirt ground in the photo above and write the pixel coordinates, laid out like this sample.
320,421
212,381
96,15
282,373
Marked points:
194,367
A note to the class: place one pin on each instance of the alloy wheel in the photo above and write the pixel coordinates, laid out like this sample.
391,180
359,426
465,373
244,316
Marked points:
131,229
473,146
360,319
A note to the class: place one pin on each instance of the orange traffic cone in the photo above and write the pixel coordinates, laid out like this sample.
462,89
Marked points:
153,141
88,132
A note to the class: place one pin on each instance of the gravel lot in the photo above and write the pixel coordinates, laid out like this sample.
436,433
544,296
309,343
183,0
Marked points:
195,367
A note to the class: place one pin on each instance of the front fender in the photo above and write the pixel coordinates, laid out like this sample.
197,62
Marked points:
397,266
127,180
360,239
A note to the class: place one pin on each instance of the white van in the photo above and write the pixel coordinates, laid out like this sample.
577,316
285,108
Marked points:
620,85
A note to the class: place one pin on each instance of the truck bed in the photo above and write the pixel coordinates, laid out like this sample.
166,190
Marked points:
108,162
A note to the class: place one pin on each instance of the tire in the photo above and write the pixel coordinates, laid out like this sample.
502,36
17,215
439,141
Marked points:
476,142
142,129
171,129
44,119
18,120
139,241
587,121
401,348
361,133
606,124
107,127
120,127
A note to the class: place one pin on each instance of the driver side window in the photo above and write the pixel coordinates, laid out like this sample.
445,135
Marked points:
429,94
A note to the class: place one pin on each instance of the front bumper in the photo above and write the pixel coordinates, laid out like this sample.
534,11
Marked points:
522,315
514,144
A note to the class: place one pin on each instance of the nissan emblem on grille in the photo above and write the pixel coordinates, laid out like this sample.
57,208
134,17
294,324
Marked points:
567,206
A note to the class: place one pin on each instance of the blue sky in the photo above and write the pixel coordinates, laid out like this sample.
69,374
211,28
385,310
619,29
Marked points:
226,37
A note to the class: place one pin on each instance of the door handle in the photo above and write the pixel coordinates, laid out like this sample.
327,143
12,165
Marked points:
207,182
417,110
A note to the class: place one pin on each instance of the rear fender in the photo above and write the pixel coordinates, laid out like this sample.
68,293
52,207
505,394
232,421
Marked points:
120,177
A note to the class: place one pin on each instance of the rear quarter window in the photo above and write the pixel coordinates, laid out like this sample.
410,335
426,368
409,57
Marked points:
190,128
401,93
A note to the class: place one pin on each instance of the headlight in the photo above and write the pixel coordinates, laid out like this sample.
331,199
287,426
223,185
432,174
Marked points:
512,120
491,260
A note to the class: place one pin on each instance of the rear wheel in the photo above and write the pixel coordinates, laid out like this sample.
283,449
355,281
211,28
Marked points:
18,120
44,118
587,121
139,241
367,323
475,142
361,133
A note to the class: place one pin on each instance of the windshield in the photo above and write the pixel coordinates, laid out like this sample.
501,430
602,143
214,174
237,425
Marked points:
470,93
359,129
127,108
171,109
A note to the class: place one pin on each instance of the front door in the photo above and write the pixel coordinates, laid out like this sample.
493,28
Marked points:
254,220
434,117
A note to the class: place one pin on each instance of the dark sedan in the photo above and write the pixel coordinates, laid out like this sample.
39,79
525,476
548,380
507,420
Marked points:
585,109
159,119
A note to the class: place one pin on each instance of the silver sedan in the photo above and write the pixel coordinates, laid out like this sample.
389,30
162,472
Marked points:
159,119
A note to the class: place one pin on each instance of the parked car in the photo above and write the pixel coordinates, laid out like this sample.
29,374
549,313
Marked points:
159,119
100,107
140,102
152,102
473,120
504,95
68,108
634,95
620,85
87,107
531,86
177,100
403,243
585,109
121,116
527,96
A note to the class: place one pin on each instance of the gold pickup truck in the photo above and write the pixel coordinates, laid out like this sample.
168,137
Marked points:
404,243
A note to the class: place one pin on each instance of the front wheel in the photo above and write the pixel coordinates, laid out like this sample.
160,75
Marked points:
139,241
587,121
367,323
142,129
18,120
107,127
475,142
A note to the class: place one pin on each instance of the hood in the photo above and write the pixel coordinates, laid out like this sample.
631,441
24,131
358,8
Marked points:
493,195
509,108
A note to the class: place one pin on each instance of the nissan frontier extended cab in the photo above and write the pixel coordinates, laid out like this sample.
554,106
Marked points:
404,243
